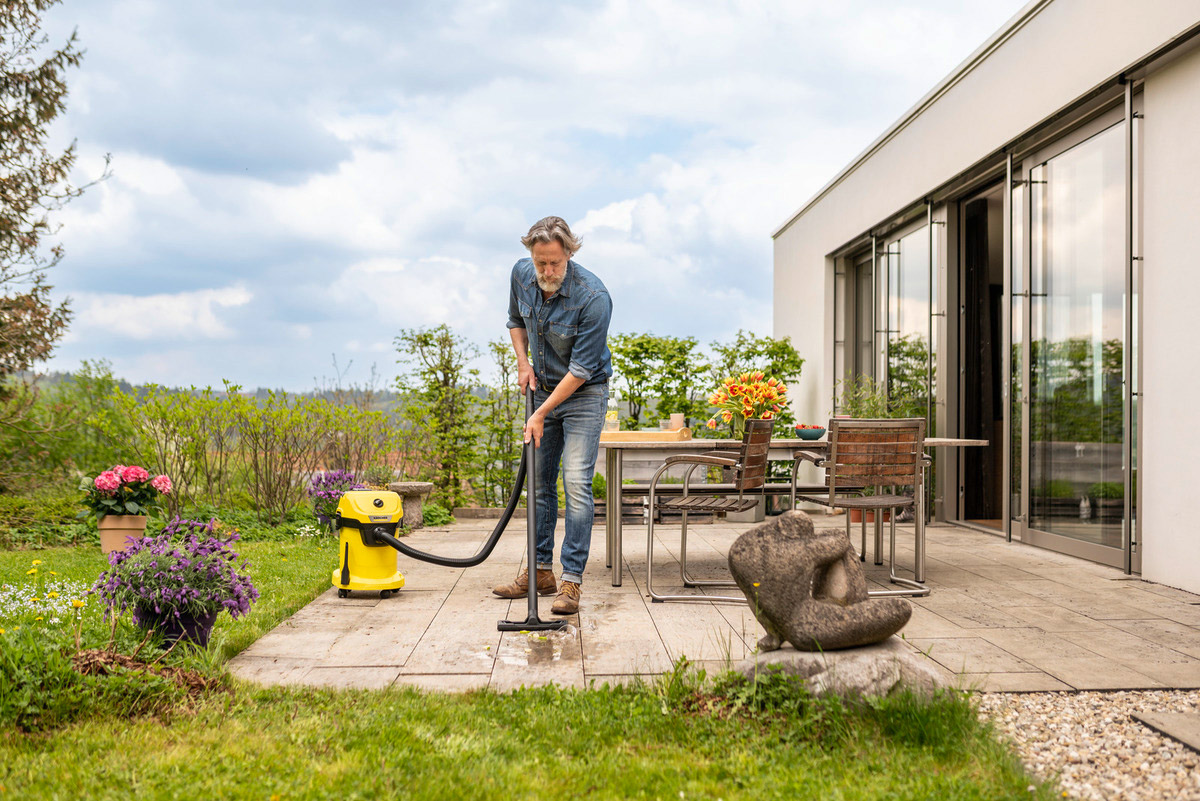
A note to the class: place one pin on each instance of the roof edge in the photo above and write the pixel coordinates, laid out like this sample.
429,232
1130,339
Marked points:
1006,32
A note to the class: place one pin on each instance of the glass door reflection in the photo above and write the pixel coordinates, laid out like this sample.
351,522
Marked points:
1076,422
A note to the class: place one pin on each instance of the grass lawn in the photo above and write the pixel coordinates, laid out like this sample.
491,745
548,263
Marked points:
636,742
686,738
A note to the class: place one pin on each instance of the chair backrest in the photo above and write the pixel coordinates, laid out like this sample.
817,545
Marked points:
884,453
752,459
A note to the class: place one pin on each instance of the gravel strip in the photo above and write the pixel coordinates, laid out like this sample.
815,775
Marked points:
1094,746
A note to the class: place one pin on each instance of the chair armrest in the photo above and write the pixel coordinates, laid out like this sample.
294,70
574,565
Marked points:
703,458
815,457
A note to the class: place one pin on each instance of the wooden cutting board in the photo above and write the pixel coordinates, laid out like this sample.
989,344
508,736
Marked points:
676,435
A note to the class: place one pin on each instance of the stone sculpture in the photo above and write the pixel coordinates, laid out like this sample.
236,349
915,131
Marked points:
807,587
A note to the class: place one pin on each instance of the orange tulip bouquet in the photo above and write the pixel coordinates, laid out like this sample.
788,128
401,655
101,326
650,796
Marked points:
745,397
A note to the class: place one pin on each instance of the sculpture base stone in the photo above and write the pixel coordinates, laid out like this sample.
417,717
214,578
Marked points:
872,670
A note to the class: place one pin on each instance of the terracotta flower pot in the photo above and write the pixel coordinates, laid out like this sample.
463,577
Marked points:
856,516
116,529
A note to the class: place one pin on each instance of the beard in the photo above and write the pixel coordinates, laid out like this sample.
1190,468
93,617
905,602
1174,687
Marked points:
548,284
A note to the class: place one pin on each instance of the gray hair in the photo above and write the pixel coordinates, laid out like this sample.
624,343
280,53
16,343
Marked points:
553,229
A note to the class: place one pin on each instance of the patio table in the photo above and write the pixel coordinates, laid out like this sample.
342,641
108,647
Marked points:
781,449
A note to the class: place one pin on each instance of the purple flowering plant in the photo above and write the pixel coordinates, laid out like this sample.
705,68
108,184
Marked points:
188,568
327,488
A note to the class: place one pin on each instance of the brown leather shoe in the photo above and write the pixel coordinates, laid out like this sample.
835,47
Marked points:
546,585
567,602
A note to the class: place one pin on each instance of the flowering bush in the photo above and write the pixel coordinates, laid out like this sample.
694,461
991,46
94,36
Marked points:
123,490
748,396
187,568
327,488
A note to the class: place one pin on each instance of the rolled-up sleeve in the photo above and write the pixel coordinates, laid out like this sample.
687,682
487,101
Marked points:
515,320
592,336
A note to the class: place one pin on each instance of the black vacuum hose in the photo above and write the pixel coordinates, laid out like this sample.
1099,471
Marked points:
486,551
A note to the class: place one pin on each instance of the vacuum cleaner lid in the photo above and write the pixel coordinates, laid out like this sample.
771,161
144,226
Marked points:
371,506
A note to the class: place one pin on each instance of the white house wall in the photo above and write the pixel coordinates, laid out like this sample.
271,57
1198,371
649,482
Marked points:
1171,336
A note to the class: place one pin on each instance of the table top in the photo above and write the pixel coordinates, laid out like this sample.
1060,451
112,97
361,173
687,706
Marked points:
792,444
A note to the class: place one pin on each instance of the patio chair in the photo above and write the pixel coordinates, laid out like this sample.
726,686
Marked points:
880,454
749,467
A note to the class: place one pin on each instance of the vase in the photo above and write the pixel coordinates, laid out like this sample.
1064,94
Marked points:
195,629
115,530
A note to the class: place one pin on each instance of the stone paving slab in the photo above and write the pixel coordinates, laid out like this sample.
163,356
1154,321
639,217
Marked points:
1002,616
1182,726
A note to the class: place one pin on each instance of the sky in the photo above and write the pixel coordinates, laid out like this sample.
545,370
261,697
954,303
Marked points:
296,182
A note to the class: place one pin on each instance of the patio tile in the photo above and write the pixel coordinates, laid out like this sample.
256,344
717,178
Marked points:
964,611
926,623
1055,618
458,642
536,658
1035,682
445,682
1177,636
269,671
994,593
970,655
1129,647
1004,573
386,636
1032,645
365,678
1096,673
618,635
1169,592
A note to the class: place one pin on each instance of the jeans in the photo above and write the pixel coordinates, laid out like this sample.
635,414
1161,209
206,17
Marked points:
571,435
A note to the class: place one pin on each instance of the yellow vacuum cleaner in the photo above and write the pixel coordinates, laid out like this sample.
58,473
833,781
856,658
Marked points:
368,563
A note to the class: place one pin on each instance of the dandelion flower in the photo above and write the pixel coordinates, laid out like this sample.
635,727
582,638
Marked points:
757,583
52,595
39,617
1,631
31,571
78,604
53,573
37,562
34,599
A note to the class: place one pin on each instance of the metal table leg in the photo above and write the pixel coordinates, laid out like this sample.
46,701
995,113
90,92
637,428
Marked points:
608,508
614,499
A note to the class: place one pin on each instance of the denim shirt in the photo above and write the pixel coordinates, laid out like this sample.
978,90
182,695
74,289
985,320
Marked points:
569,331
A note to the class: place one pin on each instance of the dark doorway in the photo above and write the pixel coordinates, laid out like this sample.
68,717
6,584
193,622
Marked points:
982,410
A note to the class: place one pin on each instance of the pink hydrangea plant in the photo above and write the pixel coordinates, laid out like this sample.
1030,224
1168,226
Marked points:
108,481
162,484
134,473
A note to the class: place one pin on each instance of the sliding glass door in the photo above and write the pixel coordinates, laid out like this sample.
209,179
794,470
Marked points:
1073,349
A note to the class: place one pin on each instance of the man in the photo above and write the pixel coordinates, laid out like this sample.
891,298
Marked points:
558,315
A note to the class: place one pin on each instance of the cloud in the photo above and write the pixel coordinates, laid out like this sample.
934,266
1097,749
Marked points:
155,318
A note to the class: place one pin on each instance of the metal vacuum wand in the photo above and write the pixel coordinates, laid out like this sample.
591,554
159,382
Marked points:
532,622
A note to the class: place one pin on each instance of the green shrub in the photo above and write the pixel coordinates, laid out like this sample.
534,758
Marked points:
43,518
1107,490
1058,488
599,486
436,515
379,475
